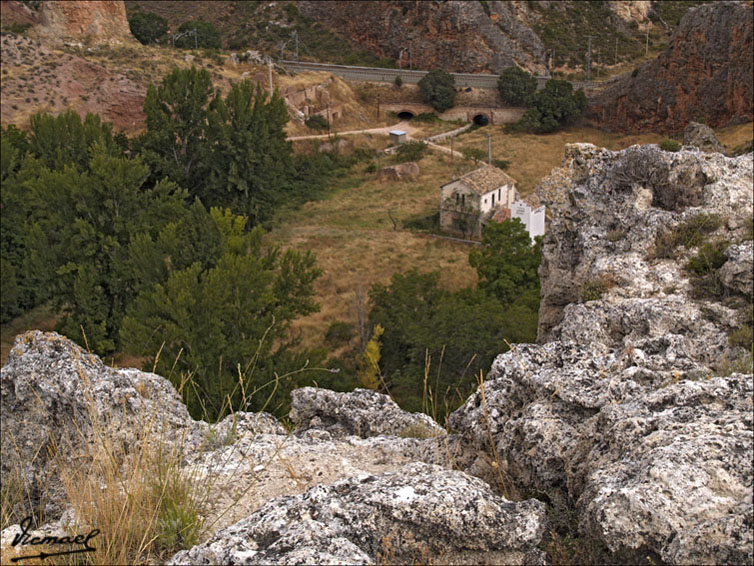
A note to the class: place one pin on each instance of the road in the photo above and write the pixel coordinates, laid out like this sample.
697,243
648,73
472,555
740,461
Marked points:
375,74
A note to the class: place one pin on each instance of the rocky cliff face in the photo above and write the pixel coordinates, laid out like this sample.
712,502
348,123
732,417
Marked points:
455,36
629,408
705,73
92,23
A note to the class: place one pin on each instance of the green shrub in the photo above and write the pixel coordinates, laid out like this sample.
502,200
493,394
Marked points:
742,337
426,118
474,153
207,35
693,231
410,151
339,333
690,234
711,256
398,81
17,27
670,145
516,86
438,89
593,290
552,108
317,122
501,163
148,27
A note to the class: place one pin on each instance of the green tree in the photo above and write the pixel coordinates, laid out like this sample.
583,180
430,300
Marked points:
207,35
251,168
175,143
53,143
224,321
516,86
148,27
79,231
553,107
229,152
507,264
438,89
445,337
65,140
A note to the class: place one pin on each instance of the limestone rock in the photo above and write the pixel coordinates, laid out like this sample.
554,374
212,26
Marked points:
608,209
55,394
648,455
736,273
622,409
671,471
363,413
409,515
400,172
703,137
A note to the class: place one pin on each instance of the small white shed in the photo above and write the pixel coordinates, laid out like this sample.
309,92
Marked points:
397,136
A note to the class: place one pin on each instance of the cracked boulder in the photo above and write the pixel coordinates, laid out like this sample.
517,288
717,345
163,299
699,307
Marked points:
411,515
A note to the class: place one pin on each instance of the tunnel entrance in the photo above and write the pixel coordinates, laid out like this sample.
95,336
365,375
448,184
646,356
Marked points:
481,120
405,115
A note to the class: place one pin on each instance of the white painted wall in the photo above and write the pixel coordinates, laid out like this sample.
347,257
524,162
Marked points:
537,222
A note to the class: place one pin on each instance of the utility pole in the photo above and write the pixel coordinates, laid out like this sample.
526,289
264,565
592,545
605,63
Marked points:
269,64
452,153
588,59
615,61
646,49
489,149
410,58
295,35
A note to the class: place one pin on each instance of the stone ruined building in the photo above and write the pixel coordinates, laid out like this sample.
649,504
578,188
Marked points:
470,202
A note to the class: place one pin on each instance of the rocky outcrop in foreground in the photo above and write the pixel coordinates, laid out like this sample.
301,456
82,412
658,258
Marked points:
631,410
408,516
705,72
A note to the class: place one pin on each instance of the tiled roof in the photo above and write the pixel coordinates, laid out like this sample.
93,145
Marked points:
486,179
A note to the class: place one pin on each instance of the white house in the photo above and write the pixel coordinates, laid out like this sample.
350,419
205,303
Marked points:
469,202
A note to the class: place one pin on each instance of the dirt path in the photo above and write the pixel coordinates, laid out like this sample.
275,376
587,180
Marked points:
405,126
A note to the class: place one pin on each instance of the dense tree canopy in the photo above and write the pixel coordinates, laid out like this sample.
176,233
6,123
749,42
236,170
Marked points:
148,27
506,263
429,332
223,316
229,152
198,33
438,89
553,107
516,86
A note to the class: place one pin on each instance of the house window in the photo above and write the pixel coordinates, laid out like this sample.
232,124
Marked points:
463,200
458,198
499,197
493,199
